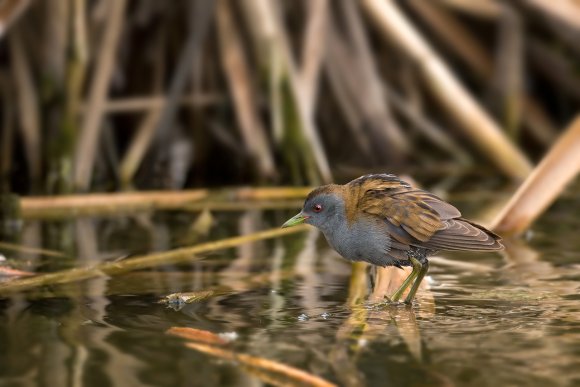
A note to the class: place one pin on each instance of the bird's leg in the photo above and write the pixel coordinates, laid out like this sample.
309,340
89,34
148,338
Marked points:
416,268
423,267
372,276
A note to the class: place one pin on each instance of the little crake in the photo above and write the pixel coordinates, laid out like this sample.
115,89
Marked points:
382,220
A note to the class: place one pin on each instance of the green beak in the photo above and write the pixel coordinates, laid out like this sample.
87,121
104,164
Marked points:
297,219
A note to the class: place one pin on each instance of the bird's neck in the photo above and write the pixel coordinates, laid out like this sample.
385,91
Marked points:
336,222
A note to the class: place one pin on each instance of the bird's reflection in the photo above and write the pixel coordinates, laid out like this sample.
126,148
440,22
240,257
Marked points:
373,318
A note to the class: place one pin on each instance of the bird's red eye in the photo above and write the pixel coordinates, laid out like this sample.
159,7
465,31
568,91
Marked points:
317,208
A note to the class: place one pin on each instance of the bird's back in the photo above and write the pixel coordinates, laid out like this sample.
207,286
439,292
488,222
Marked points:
414,217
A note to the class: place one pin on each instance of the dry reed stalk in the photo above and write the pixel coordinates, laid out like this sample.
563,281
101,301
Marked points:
134,155
465,44
28,109
31,250
562,27
277,59
89,137
79,27
200,14
77,64
267,370
10,11
451,94
429,129
263,40
489,9
369,92
54,41
60,160
314,154
542,187
358,89
455,33
185,254
314,50
150,200
507,82
236,69
567,11
342,74
263,30
138,104
116,202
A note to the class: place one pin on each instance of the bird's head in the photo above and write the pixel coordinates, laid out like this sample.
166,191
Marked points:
322,208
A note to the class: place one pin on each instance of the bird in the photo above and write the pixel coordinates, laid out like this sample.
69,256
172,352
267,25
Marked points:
385,221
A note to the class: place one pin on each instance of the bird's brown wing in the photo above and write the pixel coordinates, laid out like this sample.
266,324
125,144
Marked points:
418,218
409,215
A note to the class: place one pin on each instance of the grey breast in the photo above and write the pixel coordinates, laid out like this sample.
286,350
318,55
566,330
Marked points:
364,240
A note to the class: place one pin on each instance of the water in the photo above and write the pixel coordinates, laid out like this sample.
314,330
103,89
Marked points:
511,320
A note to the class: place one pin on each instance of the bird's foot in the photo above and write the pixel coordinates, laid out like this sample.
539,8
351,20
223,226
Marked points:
389,302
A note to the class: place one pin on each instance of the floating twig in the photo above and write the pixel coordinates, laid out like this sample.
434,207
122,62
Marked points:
198,335
278,374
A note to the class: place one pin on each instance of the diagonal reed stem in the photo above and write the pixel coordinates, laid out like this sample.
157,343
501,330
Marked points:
142,262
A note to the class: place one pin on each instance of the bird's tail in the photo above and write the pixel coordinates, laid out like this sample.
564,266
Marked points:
461,234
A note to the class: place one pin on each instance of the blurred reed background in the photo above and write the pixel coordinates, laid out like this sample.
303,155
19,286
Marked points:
127,97
107,95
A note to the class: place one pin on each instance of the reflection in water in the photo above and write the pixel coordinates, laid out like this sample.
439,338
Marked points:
486,319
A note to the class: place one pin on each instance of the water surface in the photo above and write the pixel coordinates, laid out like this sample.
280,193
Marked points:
501,320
